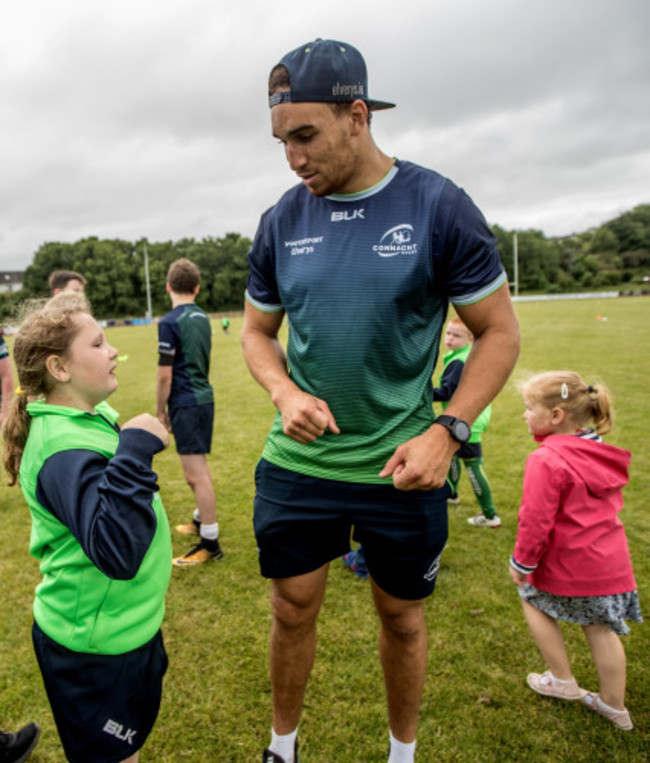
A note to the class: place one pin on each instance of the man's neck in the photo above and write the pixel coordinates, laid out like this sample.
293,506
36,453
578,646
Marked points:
375,167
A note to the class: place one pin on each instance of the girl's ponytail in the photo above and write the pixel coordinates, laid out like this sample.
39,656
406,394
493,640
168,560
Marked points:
15,432
601,407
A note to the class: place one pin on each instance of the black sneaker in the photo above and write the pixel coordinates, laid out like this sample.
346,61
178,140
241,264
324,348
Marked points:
204,551
14,748
273,757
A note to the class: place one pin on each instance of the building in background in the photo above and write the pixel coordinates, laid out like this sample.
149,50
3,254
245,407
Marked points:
11,280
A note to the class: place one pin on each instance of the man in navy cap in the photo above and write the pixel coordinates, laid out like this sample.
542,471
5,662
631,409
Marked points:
363,256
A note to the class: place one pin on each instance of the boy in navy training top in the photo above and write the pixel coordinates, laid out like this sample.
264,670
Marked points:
185,403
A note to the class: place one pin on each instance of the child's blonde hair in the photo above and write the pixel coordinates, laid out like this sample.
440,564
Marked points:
584,403
47,328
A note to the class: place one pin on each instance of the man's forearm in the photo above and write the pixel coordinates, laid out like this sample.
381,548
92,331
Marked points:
486,371
267,363
493,355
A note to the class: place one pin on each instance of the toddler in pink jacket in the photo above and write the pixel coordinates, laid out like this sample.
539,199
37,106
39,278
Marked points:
571,559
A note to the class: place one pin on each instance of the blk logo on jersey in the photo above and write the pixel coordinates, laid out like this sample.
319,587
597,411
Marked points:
356,214
396,240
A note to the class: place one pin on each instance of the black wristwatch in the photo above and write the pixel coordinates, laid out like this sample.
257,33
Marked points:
460,430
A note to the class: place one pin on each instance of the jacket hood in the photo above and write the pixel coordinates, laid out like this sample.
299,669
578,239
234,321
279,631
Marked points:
602,467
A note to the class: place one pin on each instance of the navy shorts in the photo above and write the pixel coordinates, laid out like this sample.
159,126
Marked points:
302,523
192,428
104,705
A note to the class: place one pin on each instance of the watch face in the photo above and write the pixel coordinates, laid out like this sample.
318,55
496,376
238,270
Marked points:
461,431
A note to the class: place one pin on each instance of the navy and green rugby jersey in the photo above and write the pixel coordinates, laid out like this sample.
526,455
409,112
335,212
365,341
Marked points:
365,280
184,340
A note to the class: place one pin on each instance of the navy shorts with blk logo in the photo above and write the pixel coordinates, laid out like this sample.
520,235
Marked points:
303,522
104,705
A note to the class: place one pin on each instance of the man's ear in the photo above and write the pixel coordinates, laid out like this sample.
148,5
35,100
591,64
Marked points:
57,369
197,290
358,116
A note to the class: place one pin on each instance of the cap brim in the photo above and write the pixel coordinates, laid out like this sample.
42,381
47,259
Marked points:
379,105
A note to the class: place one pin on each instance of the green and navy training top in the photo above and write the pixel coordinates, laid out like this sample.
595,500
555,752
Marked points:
184,341
365,280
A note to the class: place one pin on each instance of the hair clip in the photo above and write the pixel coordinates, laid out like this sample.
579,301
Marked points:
564,391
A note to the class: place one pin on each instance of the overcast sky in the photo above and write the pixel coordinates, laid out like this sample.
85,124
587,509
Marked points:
135,118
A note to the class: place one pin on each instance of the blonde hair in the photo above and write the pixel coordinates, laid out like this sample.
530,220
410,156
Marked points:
584,403
47,328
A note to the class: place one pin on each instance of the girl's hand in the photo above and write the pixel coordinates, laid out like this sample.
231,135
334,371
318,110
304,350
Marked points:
517,578
150,424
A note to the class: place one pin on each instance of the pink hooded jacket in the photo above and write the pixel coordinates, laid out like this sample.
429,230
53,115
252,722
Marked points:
570,538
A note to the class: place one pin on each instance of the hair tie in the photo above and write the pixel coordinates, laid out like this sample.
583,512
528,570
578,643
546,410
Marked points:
590,390
20,391
564,391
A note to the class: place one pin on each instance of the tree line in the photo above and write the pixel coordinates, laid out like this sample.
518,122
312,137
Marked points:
114,270
614,255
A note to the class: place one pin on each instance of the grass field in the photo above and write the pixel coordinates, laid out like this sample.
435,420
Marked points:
216,705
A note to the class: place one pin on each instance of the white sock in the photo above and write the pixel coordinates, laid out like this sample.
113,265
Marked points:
401,752
284,745
197,514
210,532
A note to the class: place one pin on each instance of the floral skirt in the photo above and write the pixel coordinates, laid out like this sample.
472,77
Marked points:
612,610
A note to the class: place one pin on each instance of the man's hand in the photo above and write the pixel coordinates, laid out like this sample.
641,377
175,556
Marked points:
423,462
517,578
305,417
150,424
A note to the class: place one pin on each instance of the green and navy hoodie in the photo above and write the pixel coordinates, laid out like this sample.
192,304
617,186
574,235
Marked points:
454,362
98,528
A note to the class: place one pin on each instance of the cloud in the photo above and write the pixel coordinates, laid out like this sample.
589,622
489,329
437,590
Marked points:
149,119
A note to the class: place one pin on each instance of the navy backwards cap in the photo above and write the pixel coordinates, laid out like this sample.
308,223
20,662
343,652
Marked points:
326,71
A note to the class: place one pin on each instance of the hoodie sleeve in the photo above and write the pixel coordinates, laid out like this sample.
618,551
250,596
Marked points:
449,380
106,503
537,514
